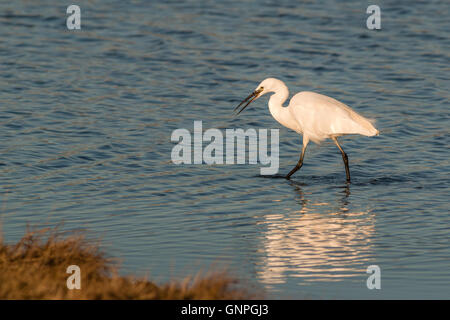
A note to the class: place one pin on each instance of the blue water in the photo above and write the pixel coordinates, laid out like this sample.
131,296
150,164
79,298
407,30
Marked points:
86,118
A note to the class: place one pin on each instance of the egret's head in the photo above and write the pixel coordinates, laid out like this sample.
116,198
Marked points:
268,85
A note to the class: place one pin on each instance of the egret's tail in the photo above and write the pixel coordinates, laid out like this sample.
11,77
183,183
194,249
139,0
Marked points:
365,126
370,132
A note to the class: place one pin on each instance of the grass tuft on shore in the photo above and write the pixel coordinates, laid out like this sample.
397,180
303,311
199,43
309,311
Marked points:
35,268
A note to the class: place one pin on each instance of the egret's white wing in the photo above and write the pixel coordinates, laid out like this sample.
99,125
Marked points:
322,117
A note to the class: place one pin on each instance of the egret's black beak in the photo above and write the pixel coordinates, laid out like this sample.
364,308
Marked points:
252,97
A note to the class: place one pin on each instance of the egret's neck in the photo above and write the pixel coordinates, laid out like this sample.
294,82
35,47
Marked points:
280,113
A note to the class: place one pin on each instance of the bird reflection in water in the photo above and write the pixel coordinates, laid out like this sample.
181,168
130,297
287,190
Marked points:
316,242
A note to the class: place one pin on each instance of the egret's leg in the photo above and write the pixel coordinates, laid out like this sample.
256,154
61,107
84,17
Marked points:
300,161
344,157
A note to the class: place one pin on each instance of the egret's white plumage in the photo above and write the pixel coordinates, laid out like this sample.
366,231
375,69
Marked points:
315,116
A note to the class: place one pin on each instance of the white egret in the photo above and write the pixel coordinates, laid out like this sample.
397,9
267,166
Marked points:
315,116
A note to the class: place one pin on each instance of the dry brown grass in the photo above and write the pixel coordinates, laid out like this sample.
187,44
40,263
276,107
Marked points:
35,268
